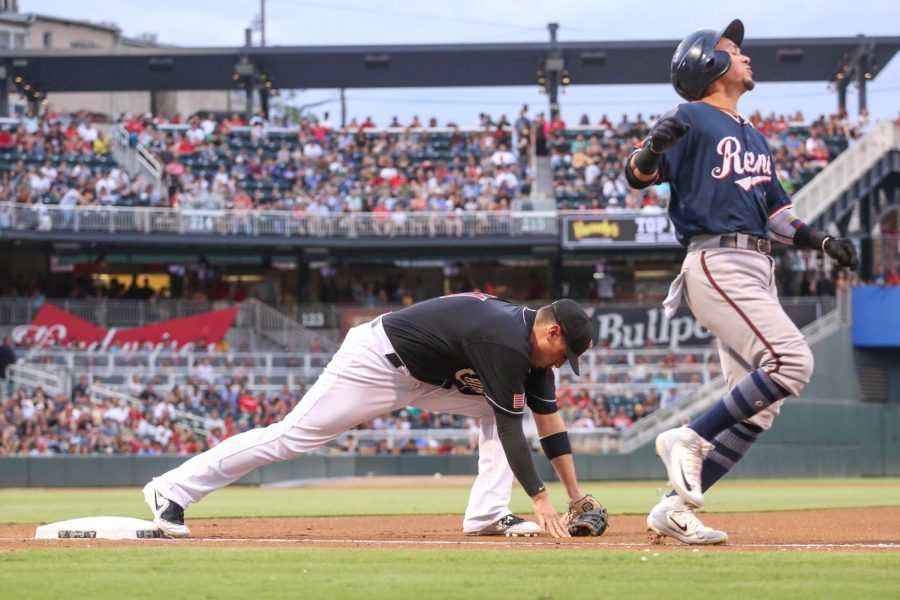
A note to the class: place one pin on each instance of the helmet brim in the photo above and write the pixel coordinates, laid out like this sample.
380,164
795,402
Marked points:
734,32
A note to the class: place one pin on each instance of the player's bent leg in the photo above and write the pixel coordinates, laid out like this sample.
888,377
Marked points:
358,384
487,512
731,293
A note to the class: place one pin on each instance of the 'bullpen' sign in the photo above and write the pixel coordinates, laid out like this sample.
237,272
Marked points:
619,230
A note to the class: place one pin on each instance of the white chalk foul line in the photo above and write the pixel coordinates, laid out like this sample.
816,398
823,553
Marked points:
524,542
499,542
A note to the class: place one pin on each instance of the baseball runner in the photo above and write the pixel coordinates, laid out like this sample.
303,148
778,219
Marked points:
469,354
726,203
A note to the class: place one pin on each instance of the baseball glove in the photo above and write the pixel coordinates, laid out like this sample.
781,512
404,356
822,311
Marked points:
586,517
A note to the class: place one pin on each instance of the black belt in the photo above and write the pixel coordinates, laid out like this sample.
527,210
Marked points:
392,357
742,241
394,360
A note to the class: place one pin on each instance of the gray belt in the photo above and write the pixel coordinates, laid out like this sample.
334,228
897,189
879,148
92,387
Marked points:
743,241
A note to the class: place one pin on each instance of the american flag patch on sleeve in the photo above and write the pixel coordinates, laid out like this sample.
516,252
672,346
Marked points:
518,400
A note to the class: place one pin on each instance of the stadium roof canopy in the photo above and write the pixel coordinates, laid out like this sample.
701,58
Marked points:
302,67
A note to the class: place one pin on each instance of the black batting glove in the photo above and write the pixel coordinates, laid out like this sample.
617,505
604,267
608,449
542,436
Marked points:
666,133
842,251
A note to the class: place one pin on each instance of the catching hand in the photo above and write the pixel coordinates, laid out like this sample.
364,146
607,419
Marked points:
586,517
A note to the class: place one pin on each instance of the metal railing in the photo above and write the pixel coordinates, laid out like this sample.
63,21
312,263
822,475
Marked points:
30,377
886,253
135,158
164,369
281,329
103,395
364,441
816,196
257,223
281,132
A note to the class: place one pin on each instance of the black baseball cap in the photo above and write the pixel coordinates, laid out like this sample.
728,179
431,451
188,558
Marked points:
577,329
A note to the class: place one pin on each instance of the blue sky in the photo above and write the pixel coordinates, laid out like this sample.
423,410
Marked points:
327,22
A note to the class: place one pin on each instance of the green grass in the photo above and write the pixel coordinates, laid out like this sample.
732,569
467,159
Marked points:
46,505
196,573
173,570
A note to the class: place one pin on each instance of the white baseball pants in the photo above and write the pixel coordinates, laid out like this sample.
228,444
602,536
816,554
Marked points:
359,384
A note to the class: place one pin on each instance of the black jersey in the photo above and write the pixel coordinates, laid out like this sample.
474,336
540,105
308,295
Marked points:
476,342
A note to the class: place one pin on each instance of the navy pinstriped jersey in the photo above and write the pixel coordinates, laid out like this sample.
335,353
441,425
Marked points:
721,175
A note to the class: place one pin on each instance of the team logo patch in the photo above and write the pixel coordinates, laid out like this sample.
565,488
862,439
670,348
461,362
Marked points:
468,382
518,400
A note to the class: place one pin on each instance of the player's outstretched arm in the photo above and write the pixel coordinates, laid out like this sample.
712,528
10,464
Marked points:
643,165
787,228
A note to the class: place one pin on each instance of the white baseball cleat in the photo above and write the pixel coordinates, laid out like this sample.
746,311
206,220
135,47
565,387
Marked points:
672,517
682,450
167,515
510,526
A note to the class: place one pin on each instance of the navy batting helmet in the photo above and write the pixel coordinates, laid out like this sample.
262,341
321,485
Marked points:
697,63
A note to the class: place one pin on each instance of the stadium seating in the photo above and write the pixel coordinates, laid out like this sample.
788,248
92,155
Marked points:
587,160
209,163
230,392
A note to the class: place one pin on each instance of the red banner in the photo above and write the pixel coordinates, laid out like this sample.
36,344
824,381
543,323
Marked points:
54,326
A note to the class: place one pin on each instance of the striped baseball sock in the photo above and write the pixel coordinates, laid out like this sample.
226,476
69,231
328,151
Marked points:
729,447
752,394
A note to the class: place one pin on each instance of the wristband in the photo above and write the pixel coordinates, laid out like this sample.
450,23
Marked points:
646,160
807,237
556,444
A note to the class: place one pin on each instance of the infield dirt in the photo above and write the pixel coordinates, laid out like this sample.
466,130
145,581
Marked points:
869,529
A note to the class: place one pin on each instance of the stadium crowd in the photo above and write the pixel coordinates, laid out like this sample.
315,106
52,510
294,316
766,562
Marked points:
587,159
316,169
313,168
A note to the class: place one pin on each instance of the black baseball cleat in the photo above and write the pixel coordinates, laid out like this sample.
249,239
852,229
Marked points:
167,515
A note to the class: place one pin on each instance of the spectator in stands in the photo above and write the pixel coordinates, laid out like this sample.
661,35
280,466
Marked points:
622,419
7,358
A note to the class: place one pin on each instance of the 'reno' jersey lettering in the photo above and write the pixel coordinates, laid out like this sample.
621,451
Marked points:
721,175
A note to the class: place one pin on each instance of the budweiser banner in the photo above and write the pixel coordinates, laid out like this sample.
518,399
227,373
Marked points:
52,326
591,231
633,327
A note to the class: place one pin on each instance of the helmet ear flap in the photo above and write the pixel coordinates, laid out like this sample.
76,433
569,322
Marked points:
721,62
